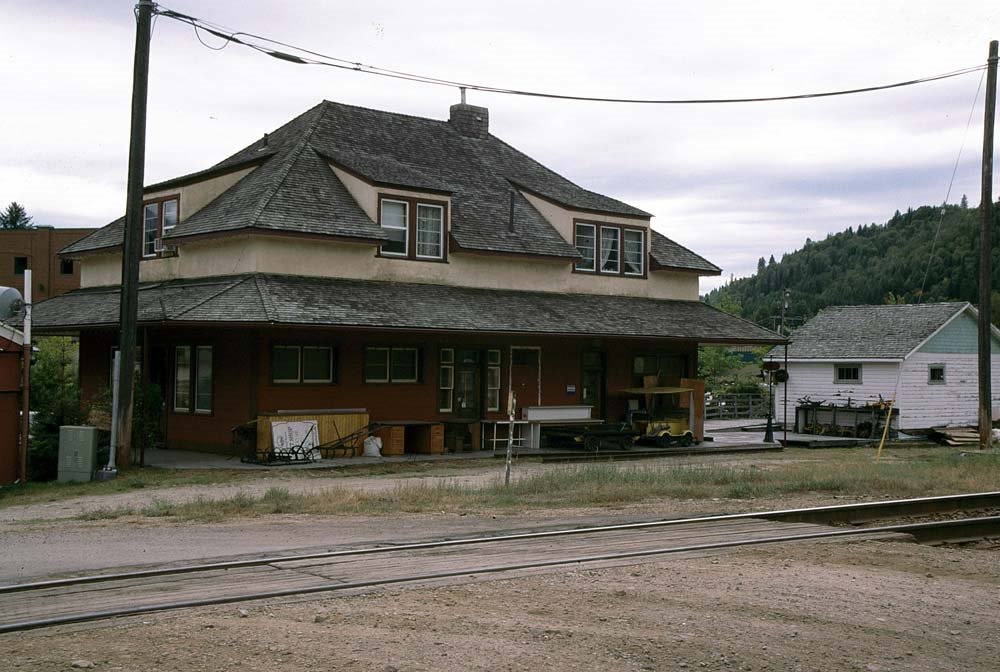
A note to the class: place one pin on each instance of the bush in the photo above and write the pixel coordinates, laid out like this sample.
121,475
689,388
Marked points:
54,401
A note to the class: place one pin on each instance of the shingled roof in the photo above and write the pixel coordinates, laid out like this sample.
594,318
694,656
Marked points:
335,302
293,187
869,332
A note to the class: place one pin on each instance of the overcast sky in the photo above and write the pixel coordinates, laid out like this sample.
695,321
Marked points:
733,182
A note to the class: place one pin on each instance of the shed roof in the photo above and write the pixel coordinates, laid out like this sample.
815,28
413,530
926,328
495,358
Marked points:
337,302
869,332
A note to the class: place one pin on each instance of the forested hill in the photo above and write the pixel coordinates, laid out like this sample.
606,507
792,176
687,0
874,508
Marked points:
871,264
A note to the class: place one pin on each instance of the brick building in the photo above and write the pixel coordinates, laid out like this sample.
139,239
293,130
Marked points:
38,249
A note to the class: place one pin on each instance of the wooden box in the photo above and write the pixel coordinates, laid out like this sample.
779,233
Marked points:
393,442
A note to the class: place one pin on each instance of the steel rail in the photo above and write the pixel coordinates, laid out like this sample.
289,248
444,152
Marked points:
991,522
835,512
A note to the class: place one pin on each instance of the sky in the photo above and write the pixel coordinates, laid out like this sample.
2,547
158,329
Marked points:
732,182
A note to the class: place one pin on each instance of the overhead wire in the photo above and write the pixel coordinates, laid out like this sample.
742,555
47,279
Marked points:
317,58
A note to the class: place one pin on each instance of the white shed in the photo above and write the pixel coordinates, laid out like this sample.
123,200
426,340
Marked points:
923,356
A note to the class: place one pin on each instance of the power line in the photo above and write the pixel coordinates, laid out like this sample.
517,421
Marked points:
316,58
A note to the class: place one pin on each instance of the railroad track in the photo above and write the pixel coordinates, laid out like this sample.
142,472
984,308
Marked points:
79,599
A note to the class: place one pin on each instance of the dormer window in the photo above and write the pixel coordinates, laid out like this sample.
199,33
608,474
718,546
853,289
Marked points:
159,217
610,250
416,228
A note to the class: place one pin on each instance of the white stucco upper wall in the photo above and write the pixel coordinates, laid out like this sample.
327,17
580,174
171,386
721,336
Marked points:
194,197
293,256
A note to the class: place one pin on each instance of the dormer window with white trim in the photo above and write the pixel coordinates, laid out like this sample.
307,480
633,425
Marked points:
159,218
416,228
610,250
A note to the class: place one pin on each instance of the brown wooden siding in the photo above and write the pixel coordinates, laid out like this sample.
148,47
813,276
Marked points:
243,387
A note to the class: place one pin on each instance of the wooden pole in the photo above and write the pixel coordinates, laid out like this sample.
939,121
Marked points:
132,245
985,249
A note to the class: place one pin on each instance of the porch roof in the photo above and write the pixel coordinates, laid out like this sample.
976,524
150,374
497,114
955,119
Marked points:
336,302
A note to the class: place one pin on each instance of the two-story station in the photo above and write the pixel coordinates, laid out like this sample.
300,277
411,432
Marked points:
416,268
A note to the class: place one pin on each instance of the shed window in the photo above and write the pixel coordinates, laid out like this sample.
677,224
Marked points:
935,374
847,374
284,364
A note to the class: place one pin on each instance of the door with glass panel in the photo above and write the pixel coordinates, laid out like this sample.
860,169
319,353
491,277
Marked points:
467,397
594,374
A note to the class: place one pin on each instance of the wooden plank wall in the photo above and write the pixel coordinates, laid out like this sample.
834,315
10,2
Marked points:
331,426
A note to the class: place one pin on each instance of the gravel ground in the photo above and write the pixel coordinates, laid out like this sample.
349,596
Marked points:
866,606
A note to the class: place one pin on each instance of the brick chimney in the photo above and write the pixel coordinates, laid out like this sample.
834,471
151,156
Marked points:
470,120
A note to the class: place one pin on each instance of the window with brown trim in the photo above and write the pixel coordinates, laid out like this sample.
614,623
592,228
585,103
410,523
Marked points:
610,249
417,228
158,218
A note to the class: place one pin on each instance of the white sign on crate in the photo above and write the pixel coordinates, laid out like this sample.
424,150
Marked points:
300,437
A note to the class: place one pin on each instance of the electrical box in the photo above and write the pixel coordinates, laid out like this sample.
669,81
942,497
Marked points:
77,453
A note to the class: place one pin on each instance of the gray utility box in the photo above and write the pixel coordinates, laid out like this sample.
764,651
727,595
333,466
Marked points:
77,453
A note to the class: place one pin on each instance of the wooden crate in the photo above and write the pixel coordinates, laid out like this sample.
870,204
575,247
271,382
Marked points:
393,441
332,425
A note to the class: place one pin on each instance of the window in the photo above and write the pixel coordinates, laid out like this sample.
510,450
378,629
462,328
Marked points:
395,220
493,380
634,249
66,266
446,380
20,265
182,379
586,245
317,364
193,388
847,374
111,364
159,217
935,374
392,365
408,219
430,220
203,380
610,250
310,364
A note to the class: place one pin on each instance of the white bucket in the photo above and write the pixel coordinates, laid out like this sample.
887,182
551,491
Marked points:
373,447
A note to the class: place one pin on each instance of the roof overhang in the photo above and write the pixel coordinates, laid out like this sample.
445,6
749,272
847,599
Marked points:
307,302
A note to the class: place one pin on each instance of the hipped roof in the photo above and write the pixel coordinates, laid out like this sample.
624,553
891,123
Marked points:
293,188
335,302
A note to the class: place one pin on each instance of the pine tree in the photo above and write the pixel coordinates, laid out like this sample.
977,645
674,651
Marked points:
15,217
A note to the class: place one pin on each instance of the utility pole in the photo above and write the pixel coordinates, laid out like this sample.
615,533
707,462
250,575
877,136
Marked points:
985,248
132,244
22,457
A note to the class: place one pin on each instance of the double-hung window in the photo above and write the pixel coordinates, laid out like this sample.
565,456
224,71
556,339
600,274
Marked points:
392,365
416,228
492,380
193,389
446,380
610,250
159,218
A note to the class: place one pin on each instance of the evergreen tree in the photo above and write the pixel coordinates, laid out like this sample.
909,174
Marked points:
15,217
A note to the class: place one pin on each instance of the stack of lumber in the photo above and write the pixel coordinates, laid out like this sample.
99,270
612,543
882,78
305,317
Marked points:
956,436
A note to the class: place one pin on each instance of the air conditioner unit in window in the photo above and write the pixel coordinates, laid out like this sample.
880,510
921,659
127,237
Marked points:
161,248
